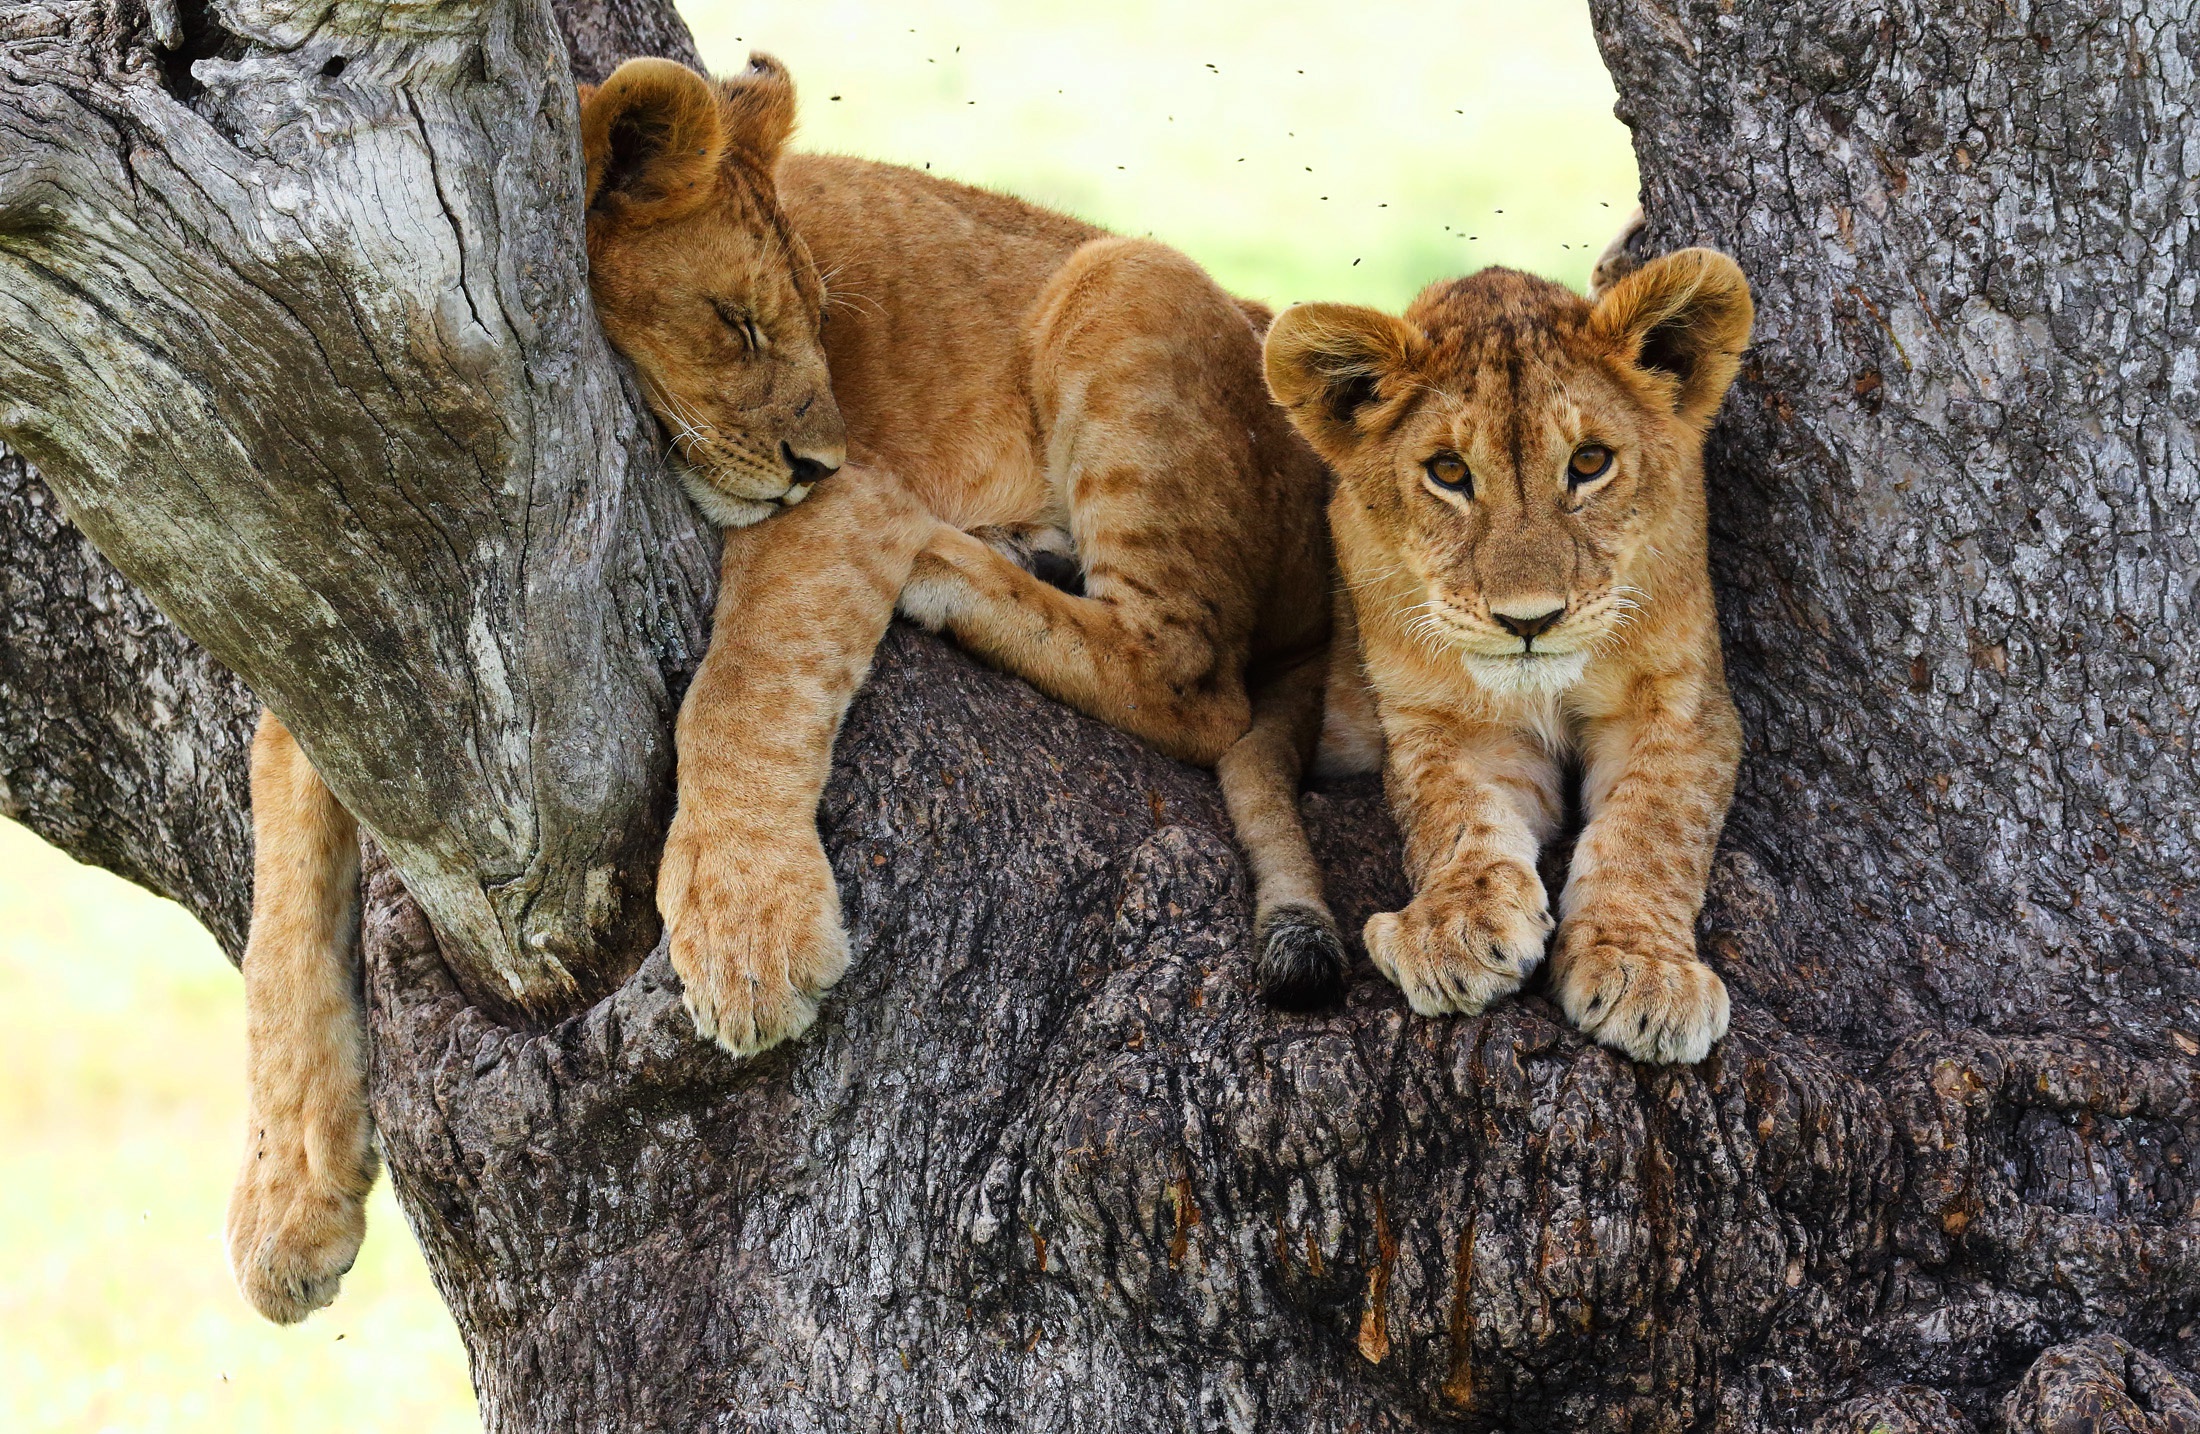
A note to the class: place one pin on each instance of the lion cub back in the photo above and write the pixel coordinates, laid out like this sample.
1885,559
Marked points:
929,286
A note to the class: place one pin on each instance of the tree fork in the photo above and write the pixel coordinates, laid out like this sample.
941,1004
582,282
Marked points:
1046,1163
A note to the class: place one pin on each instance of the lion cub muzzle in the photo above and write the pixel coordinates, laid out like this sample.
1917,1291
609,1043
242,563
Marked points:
803,471
1528,619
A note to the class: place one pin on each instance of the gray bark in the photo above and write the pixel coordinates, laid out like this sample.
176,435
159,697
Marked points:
296,323
121,741
1045,1163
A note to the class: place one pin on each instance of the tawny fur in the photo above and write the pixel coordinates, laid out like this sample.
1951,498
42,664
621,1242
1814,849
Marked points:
917,383
1019,382
1443,671
297,1214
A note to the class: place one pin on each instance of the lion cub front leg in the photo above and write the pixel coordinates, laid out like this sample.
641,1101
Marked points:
1625,965
748,897
1476,806
297,1214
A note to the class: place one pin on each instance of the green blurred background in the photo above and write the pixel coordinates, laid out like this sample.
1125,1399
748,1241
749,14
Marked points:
1300,151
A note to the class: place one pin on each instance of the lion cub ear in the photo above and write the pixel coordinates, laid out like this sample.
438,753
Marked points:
759,112
1684,320
1325,363
652,131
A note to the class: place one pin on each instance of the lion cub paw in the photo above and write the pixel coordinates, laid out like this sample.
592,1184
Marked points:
755,937
1648,997
295,1224
1469,938
936,589
1301,958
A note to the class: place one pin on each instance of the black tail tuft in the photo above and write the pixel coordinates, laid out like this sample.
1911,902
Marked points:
1301,959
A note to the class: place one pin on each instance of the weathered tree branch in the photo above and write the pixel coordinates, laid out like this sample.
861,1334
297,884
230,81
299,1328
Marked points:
121,742
357,433
1045,1162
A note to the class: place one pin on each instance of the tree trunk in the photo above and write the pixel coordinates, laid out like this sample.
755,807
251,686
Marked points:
120,741
357,434
1045,1163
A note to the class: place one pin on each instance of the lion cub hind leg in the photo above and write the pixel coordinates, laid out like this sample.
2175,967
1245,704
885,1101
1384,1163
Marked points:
1189,502
1476,807
1102,657
1146,378
298,1212
1302,959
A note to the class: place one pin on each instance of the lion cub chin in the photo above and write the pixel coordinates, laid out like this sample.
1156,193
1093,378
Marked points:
1519,520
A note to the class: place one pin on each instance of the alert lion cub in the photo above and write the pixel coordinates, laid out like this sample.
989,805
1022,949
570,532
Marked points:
995,382
1519,522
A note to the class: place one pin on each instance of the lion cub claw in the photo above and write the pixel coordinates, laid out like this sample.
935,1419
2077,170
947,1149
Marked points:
1648,997
755,937
1469,938
294,1230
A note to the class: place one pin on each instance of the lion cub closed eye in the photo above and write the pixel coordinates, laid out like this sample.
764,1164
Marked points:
1519,520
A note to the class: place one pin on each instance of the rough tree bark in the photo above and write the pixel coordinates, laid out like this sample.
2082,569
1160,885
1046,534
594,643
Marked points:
356,432
1045,1163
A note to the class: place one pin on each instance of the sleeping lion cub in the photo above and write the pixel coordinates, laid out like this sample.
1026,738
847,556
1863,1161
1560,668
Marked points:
1003,385
1519,521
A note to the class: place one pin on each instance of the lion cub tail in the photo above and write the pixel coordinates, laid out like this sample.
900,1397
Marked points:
1301,955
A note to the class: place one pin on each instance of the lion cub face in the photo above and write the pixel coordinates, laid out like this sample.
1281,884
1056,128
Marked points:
1510,452
700,281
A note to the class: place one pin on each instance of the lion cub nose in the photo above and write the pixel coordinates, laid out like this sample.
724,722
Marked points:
1528,617
810,467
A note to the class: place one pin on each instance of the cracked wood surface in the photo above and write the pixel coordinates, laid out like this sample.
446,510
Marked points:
1046,1163
296,324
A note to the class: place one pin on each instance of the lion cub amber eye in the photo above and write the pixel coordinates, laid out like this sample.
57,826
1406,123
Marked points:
1449,470
1590,462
